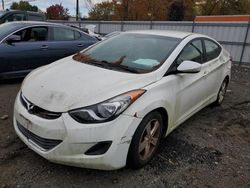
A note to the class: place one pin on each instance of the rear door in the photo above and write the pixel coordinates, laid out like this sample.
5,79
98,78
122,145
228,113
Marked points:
214,64
31,51
66,41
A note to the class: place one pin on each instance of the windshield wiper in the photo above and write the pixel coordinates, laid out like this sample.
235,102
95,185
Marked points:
119,66
103,63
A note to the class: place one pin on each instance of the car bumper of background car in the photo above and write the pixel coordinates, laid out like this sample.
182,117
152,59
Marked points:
65,141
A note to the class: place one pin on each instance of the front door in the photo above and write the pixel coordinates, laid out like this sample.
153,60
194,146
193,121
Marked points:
28,53
191,88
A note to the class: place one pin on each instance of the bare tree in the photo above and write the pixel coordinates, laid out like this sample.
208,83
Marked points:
88,4
3,4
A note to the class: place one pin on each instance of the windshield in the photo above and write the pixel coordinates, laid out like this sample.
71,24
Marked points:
139,52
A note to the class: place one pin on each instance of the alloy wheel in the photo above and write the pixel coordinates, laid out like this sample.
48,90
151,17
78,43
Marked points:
149,139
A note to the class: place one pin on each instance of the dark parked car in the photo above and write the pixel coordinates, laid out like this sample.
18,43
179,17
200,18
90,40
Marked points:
27,45
19,15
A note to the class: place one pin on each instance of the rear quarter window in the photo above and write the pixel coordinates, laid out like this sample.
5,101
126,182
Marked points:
87,37
212,50
77,35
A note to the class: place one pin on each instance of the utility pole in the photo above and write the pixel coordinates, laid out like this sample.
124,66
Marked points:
3,4
77,10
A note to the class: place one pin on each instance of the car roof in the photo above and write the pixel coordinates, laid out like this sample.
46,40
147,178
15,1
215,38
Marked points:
30,23
20,24
11,11
165,33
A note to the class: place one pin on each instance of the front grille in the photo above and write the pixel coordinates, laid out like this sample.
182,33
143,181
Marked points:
35,110
44,143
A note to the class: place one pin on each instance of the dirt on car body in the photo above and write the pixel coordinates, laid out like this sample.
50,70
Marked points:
211,149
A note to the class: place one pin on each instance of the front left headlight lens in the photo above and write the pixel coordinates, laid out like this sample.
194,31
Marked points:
107,110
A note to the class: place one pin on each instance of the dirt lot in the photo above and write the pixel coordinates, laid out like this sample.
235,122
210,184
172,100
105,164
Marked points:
212,149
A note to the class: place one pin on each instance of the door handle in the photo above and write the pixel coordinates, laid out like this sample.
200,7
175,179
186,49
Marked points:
44,47
80,45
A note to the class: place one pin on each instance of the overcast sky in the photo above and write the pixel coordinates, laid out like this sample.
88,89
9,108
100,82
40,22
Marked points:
43,4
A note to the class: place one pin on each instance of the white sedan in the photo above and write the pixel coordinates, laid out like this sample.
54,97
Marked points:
110,105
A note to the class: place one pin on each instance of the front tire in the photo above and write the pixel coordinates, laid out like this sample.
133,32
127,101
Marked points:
145,141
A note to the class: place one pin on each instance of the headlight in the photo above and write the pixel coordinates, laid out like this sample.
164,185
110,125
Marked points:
107,110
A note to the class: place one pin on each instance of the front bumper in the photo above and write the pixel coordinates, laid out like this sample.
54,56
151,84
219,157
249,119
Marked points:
76,138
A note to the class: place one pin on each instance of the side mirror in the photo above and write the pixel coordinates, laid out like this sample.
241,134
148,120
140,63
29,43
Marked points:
189,67
13,38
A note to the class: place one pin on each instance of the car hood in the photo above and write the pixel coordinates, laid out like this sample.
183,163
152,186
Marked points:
68,84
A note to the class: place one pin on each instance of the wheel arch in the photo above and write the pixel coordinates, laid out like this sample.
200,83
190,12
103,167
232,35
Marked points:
165,119
164,114
227,78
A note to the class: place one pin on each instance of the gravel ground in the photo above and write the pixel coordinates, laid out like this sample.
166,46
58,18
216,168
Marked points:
211,149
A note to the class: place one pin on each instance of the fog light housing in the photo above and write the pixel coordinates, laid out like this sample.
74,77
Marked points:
99,148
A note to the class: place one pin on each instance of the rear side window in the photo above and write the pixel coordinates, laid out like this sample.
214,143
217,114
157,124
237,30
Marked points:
212,50
35,17
63,34
192,52
198,45
39,33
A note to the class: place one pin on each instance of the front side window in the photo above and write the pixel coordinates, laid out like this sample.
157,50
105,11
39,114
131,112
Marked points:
212,50
192,52
198,45
63,34
15,17
140,52
33,34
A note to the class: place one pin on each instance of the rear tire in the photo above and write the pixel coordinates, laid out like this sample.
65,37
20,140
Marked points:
222,93
146,139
